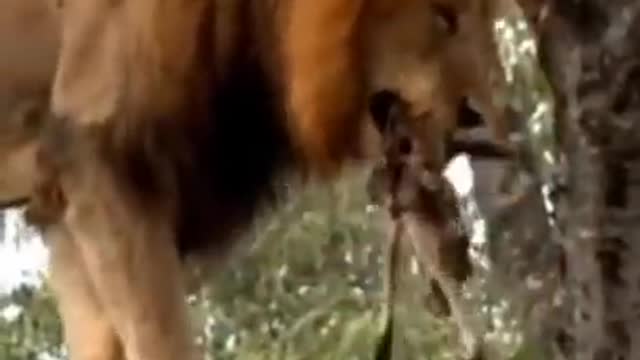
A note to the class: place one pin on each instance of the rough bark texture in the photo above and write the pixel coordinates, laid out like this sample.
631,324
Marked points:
590,52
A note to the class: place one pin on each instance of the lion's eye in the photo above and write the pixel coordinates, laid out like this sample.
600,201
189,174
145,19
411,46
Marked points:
446,18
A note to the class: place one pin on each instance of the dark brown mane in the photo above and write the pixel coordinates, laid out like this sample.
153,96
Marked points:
219,170
245,149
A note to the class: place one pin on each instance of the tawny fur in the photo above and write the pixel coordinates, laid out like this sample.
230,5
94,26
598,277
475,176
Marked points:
323,63
88,331
29,45
172,118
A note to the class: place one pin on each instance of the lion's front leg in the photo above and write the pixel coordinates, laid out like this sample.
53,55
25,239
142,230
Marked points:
133,263
88,332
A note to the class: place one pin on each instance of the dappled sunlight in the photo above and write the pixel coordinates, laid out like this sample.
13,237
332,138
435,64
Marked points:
23,256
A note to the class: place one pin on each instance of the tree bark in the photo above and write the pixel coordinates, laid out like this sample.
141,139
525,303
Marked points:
590,51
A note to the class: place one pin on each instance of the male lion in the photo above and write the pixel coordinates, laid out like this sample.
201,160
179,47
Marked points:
171,119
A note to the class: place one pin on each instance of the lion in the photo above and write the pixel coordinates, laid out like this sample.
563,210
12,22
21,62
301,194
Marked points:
168,123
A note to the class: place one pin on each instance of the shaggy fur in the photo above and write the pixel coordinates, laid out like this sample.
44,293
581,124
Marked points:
28,48
173,118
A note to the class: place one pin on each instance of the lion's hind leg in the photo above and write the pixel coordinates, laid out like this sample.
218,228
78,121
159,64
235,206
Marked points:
133,262
88,332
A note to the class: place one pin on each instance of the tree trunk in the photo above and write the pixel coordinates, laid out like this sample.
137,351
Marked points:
590,51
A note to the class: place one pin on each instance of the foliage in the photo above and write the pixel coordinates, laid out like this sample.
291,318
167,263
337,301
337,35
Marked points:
29,325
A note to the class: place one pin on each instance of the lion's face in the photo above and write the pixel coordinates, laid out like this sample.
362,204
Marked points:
439,56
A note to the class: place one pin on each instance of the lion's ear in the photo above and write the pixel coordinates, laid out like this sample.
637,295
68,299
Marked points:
384,107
